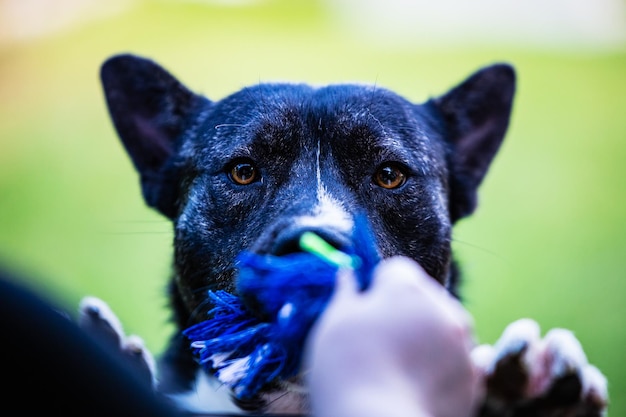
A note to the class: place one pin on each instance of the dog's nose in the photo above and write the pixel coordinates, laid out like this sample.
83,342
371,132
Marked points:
289,241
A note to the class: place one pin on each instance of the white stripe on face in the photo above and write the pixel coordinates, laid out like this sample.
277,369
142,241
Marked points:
328,211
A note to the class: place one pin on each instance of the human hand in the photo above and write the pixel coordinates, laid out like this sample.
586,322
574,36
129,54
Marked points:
399,349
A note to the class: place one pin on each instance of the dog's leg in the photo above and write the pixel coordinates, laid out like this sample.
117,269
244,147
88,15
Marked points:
527,375
98,320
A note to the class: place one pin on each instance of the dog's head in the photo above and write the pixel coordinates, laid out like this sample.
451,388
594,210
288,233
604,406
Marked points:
256,169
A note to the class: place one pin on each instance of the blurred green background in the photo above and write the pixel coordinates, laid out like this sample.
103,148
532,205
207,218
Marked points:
547,242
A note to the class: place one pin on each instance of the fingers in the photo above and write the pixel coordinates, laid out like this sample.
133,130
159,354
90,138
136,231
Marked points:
403,280
401,284
346,285
404,274
374,340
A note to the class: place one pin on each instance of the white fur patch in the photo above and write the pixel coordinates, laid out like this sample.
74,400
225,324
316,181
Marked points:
483,358
564,352
208,396
328,212
131,344
105,313
134,343
594,383
523,333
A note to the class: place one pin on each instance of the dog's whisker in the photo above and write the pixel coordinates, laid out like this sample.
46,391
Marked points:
278,397
208,272
141,233
481,249
197,313
204,289
164,222
219,126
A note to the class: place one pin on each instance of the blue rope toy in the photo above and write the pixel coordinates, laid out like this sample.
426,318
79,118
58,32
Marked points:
247,349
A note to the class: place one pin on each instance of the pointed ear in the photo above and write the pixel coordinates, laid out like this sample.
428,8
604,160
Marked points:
476,115
150,110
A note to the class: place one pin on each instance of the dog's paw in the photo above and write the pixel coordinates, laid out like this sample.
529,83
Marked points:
527,375
98,320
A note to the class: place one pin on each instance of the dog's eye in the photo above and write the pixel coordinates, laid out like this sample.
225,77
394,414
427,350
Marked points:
243,173
389,176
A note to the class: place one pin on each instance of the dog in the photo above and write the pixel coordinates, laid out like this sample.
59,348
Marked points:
260,167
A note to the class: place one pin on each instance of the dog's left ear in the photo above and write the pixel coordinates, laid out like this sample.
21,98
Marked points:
476,115
150,110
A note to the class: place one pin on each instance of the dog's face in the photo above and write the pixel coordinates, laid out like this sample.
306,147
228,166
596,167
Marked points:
256,169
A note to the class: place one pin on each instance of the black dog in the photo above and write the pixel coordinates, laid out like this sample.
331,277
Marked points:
260,167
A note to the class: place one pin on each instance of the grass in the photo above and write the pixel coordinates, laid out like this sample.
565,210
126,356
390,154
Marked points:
547,242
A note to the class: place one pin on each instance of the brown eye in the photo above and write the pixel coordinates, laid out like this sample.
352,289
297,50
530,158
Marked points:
389,176
243,173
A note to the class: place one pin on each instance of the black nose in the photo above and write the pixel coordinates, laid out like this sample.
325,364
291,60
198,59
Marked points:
289,240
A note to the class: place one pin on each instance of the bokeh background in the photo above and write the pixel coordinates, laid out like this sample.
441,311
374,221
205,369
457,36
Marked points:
547,242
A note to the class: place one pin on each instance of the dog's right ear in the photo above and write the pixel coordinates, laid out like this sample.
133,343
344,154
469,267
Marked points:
150,110
476,115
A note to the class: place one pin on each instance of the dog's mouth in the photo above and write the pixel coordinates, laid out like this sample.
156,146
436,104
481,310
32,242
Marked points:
288,241
282,242
255,338
287,264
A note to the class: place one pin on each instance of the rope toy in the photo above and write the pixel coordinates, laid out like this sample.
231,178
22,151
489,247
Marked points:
248,348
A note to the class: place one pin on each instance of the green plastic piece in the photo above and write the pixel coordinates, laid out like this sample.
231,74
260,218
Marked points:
314,244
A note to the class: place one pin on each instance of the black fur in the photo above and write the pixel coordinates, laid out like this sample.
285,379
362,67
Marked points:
185,147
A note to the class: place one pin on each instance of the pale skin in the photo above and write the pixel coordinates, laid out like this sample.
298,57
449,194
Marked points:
400,349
